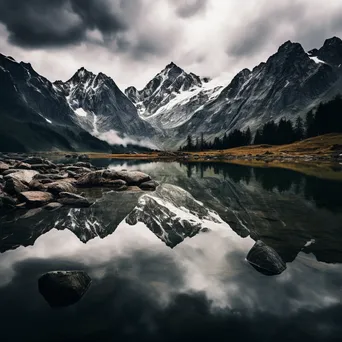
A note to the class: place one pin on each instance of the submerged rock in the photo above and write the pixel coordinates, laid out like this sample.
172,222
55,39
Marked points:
265,259
73,200
111,177
150,185
63,288
53,206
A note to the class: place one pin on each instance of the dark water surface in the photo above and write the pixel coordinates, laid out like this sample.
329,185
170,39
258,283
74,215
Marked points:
201,289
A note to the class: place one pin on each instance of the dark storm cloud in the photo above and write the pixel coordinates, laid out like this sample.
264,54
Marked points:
41,23
189,8
257,31
280,22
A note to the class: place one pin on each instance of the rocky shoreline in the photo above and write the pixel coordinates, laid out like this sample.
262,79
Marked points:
28,182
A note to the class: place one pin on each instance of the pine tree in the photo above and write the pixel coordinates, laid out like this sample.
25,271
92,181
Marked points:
258,139
190,144
310,124
248,136
299,129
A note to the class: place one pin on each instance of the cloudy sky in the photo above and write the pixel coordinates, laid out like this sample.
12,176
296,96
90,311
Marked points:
132,40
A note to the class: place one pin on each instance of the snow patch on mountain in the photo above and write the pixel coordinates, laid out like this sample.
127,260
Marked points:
317,60
80,112
103,110
173,96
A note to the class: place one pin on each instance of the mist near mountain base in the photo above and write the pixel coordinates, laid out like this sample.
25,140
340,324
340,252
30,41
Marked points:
112,138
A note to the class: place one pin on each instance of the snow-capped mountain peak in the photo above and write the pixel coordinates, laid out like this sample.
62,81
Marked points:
100,107
172,96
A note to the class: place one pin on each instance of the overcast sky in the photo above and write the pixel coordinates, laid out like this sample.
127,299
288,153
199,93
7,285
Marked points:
132,40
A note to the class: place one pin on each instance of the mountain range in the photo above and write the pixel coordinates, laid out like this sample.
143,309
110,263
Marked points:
90,112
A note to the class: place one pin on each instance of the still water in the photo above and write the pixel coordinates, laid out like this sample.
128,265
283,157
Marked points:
151,284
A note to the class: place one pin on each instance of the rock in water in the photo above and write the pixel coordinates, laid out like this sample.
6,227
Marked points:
63,288
60,186
53,206
265,259
150,185
35,199
74,200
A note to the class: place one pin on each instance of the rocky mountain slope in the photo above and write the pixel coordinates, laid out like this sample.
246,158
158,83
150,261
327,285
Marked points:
34,116
172,97
288,84
101,107
73,115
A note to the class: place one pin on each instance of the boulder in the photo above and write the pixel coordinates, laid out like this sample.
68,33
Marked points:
60,186
9,171
45,181
3,166
72,174
36,185
50,176
73,200
110,178
53,206
63,288
133,177
35,199
77,169
34,160
95,178
23,166
14,186
149,186
83,157
42,166
22,175
31,213
265,259
83,164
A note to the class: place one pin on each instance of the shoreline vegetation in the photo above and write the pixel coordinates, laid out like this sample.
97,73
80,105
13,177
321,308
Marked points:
320,156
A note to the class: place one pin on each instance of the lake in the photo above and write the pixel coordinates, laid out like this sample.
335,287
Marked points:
156,277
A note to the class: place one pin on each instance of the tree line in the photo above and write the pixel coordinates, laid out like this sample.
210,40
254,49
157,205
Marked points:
233,139
326,118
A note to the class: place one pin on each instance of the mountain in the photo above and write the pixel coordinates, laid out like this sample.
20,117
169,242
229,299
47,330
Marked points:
34,116
101,107
172,97
88,109
288,84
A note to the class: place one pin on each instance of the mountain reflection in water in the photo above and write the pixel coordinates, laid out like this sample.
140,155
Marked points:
202,288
